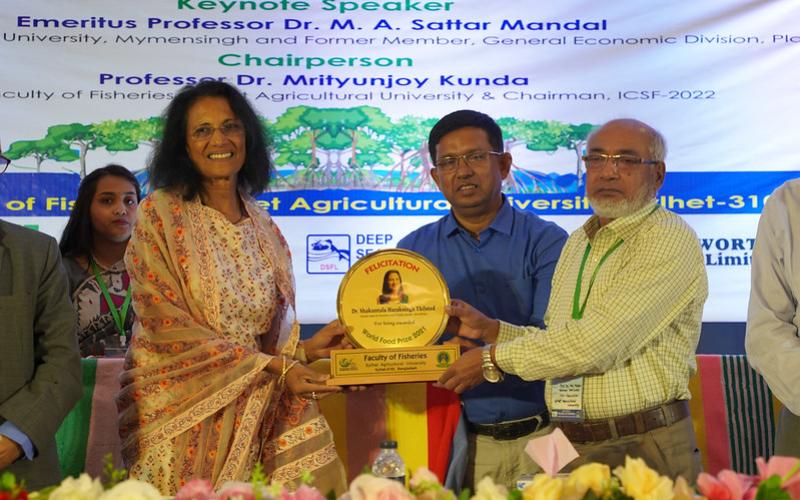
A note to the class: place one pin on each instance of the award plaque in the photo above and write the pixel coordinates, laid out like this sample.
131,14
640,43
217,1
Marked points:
392,304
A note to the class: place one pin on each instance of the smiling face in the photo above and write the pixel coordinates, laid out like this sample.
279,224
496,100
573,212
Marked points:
474,191
113,209
220,154
612,193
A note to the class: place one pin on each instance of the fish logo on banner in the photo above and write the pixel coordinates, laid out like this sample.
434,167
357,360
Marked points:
327,253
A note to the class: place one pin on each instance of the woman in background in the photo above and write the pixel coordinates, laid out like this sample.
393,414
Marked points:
215,377
93,245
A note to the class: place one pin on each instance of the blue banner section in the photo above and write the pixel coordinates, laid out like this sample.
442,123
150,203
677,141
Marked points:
47,194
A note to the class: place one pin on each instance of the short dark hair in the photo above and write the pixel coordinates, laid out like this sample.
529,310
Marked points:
77,238
465,118
170,166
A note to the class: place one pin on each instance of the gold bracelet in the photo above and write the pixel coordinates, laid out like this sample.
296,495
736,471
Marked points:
300,353
285,370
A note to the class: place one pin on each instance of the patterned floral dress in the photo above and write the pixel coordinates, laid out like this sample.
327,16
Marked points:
214,302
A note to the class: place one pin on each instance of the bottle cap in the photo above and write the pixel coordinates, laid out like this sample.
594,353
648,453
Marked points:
389,444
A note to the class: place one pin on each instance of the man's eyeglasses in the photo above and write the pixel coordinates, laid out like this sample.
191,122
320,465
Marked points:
624,163
472,159
228,129
4,162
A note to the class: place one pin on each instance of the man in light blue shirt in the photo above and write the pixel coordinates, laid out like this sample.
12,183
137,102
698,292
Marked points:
500,260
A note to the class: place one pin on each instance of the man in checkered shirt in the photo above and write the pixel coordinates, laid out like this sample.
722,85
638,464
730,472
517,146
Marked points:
623,320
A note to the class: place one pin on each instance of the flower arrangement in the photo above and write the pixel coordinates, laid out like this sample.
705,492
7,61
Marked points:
257,489
777,479
116,487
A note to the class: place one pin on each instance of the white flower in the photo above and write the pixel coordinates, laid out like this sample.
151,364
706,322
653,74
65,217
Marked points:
81,488
369,487
487,490
423,475
132,489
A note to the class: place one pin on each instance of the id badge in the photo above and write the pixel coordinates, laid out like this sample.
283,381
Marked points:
566,399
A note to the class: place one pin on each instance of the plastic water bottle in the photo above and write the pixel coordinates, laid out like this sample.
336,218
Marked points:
388,463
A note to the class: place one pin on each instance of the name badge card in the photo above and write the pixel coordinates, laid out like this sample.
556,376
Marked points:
566,399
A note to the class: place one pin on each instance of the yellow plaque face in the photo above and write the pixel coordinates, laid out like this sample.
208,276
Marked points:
393,299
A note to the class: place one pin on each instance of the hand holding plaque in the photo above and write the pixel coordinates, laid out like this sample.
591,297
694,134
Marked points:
392,303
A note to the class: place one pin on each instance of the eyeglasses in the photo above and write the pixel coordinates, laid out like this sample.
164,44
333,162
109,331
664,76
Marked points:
623,163
472,159
4,162
228,129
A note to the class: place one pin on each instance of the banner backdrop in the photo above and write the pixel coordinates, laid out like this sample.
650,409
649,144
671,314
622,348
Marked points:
348,90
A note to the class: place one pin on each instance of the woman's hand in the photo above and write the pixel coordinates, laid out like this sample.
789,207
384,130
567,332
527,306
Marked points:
306,383
330,337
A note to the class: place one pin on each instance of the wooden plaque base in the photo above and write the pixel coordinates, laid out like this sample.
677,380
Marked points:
391,365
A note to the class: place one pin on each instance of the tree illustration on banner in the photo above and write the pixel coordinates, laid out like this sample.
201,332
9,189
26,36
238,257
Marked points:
319,148
547,137
332,145
408,138
574,138
76,134
41,150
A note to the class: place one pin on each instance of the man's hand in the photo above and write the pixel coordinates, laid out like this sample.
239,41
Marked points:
466,321
10,451
330,337
465,373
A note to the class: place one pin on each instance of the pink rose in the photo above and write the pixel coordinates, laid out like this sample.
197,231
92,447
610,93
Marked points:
728,485
197,489
236,490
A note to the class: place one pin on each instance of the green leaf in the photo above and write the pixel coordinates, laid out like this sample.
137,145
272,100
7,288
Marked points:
617,494
112,475
307,478
515,494
590,495
770,489
464,495
791,473
7,481
258,479
42,494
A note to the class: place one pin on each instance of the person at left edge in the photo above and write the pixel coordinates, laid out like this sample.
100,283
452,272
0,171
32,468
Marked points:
40,371
92,246
501,260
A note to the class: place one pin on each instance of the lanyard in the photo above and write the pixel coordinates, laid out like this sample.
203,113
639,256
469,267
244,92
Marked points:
577,311
119,316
